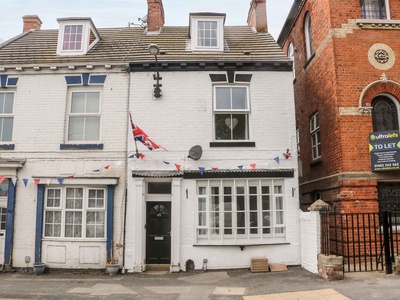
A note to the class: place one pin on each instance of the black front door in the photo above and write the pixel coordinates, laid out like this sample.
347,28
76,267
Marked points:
158,233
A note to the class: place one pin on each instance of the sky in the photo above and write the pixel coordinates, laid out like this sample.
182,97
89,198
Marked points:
119,13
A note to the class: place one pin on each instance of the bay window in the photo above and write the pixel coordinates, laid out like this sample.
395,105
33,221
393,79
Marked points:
240,212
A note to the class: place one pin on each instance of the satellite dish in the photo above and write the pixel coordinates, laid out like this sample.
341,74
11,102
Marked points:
195,152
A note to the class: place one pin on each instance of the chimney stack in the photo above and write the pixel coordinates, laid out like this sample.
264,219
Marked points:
31,22
258,15
155,15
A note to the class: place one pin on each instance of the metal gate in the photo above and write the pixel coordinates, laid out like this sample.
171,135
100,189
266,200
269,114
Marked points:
367,241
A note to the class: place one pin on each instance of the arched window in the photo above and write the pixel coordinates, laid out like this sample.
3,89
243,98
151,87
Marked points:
308,36
384,114
290,54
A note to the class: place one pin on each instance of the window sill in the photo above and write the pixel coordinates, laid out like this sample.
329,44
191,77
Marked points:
241,246
316,162
232,144
81,146
378,24
68,240
7,147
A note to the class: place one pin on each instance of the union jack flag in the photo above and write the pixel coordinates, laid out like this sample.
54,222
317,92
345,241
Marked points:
141,136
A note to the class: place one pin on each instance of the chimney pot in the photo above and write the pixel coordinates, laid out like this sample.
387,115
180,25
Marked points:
155,15
257,16
31,22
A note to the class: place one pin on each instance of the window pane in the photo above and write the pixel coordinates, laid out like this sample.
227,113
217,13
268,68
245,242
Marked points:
8,103
76,128
266,204
223,98
214,203
159,188
202,219
240,202
78,103
6,127
202,190
240,131
202,204
266,219
239,98
278,189
279,202
222,127
253,202
93,103
92,130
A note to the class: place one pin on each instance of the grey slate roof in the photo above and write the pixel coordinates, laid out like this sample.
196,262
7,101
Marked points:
130,44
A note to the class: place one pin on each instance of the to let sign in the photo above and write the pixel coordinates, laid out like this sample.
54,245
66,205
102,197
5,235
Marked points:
384,149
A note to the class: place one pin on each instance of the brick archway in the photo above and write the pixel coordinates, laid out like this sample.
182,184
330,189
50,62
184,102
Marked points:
376,88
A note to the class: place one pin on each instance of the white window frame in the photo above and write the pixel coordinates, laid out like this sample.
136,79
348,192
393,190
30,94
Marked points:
70,114
194,33
87,30
7,116
212,229
84,210
244,111
290,54
308,36
315,136
3,213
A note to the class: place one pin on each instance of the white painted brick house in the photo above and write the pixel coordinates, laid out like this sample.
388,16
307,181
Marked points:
63,147
229,91
71,183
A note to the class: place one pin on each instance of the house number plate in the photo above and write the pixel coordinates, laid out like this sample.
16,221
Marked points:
158,238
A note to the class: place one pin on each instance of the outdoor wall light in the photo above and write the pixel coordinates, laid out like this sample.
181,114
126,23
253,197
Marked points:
155,50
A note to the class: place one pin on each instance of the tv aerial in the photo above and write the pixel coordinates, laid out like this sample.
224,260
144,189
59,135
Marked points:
195,152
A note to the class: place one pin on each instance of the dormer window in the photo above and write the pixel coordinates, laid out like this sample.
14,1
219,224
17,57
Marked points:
76,36
207,31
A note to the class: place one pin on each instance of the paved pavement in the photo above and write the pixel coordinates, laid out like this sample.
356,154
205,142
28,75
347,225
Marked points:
294,284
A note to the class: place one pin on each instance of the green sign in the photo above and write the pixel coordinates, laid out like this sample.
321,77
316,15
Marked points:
384,149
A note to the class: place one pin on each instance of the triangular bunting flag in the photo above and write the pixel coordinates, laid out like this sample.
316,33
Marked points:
202,169
141,155
178,166
119,163
277,160
2,178
96,170
36,181
166,162
14,181
60,180
253,166
131,156
214,168
25,182
48,181
240,168
107,167
71,176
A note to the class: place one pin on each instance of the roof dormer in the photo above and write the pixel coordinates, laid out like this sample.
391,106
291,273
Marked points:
207,31
76,36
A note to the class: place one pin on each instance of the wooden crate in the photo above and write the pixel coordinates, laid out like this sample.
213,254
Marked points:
259,264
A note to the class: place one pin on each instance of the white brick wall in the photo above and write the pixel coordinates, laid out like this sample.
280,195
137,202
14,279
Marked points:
182,118
310,240
39,129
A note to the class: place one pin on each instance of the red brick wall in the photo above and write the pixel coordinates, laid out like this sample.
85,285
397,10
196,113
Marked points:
335,78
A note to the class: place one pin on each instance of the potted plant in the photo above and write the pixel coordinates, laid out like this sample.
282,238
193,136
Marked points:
112,267
38,268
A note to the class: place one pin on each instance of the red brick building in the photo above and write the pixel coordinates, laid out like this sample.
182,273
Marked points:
347,86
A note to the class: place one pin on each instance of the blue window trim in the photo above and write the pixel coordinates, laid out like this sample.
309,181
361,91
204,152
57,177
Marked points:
9,222
85,79
7,147
81,146
39,223
6,81
110,221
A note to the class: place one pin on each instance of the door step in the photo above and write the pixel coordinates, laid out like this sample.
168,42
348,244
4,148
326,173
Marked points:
158,267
